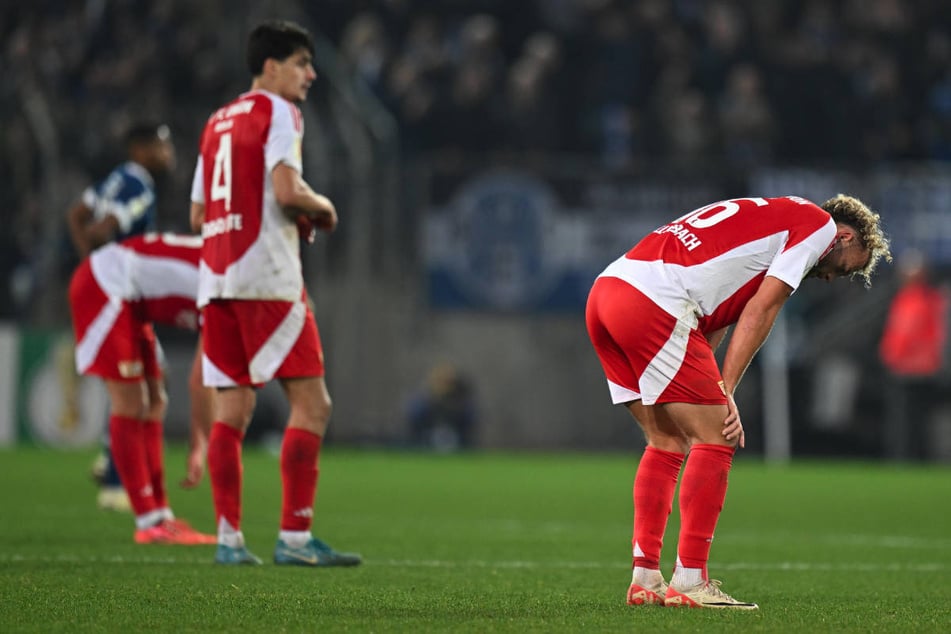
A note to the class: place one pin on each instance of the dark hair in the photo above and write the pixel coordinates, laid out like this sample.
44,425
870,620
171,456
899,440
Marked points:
276,39
146,132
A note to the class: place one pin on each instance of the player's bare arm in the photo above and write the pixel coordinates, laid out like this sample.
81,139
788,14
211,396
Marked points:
715,338
295,196
88,234
76,219
197,216
751,330
101,231
201,418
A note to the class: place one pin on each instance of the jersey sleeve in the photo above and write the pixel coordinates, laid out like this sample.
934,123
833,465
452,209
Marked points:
793,263
198,182
122,196
284,139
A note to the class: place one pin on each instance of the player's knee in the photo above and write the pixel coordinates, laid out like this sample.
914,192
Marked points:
664,442
319,414
129,410
323,410
136,408
714,441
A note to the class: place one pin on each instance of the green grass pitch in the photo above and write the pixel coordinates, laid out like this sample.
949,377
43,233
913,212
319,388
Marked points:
479,543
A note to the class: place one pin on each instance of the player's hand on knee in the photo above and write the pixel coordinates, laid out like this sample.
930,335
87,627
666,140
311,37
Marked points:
734,433
732,425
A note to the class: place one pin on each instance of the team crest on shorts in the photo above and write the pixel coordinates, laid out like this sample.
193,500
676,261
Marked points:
130,369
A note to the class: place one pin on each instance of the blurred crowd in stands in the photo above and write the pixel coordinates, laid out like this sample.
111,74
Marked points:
74,75
625,82
743,81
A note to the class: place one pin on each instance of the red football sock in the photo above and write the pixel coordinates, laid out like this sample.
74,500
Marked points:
702,492
126,438
299,455
654,487
225,469
152,438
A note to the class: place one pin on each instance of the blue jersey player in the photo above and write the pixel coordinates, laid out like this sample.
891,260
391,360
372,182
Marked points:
122,205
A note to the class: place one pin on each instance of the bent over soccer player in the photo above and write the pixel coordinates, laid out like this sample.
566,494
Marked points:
656,314
250,202
115,296
120,206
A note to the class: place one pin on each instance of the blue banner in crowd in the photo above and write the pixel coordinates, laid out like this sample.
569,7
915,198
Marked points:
509,240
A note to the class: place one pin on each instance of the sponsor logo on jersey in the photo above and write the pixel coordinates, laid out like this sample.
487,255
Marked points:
225,224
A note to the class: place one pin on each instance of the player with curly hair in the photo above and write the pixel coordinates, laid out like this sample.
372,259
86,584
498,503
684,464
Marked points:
655,316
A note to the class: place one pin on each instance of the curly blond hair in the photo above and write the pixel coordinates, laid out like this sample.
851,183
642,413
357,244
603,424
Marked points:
853,212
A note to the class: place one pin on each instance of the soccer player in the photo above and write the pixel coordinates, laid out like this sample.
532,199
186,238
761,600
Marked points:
123,204
655,316
120,206
912,351
115,296
250,201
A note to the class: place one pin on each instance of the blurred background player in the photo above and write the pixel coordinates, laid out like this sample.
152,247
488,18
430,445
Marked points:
251,204
441,414
120,206
912,351
115,295
655,316
124,203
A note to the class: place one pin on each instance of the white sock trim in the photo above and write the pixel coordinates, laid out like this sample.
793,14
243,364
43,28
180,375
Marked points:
686,577
637,552
147,520
295,539
647,577
228,536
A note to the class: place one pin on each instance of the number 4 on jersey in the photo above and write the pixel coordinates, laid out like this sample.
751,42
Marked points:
221,176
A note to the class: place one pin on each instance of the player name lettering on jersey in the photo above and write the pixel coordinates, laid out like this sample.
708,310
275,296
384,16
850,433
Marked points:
218,226
799,200
688,238
241,107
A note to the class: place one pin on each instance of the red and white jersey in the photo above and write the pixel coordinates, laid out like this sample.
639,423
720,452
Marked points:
705,266
251,250
156,273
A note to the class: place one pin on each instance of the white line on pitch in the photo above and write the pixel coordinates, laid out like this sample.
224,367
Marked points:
880,541
787,566
791,566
